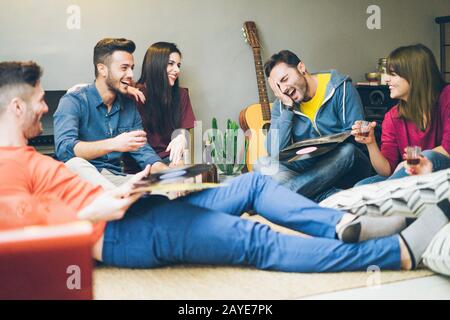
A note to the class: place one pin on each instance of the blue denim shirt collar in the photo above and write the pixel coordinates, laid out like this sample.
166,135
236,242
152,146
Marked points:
96,100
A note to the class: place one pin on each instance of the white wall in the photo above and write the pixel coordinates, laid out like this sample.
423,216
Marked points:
218,64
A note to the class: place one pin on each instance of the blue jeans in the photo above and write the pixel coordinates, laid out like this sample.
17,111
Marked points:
206,228
320,177
439,161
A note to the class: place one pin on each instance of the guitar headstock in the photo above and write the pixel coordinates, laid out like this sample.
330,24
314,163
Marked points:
251,34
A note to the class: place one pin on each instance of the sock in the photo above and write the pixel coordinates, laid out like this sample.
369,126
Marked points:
365,228
418,236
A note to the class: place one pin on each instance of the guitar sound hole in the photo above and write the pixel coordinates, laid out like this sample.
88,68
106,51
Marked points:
266,127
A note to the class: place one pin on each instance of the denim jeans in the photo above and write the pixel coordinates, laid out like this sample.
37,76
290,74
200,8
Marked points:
320,177
206,228
439,161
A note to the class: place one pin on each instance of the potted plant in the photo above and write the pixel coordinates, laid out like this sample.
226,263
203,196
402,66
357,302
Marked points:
228,149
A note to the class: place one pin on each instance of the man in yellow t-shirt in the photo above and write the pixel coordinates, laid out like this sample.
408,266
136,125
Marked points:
310,108
312,105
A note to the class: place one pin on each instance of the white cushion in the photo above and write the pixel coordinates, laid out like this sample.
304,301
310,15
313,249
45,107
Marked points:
437,255
407,196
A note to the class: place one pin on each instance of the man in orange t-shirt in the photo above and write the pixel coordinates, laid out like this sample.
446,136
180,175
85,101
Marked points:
36,189
203,227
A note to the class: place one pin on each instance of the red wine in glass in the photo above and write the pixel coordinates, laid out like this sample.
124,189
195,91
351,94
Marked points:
413,162
363,134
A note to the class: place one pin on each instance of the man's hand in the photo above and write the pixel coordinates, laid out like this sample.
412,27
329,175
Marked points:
285,99
129,141
158,166
139,176
136,94
176,148
361,139
110,205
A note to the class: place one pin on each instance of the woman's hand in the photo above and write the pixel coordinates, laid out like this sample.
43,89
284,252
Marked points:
370,139
137,94
425,166
176,148
76,87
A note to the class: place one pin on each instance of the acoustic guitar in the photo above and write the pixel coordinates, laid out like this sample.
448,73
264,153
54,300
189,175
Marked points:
255,119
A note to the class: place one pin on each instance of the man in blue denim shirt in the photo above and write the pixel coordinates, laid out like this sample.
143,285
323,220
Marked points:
96,124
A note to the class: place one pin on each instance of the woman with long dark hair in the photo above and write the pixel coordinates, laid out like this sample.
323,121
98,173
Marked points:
421,118
167,110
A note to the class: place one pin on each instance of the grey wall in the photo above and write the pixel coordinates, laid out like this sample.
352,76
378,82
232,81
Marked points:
217,63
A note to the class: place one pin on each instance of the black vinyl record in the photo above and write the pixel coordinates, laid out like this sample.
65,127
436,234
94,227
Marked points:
291,154
176,174
311,152
322,140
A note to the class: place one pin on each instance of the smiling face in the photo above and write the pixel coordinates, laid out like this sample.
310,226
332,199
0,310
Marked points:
398,86
119,72
36,108
290,81
173,67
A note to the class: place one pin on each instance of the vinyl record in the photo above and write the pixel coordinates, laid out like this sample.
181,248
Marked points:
175,179
176,187
176,174
311,152
306,151
322,140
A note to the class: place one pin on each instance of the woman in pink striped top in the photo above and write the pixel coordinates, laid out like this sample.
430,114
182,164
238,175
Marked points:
421,118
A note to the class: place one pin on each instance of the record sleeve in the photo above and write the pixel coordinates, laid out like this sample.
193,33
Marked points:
184,178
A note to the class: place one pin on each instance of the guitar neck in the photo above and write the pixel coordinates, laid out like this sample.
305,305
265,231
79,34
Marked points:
261,81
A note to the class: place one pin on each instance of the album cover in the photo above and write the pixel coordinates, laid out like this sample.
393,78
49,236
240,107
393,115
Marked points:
184,178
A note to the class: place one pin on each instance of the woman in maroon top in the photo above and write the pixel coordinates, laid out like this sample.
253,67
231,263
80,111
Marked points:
167,110
421,118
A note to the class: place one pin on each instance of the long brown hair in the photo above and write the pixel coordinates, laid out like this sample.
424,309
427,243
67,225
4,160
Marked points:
417,65
162,108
